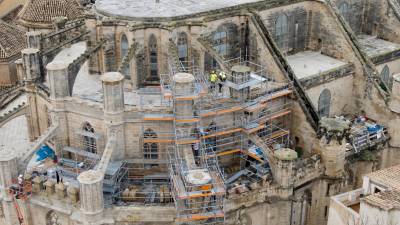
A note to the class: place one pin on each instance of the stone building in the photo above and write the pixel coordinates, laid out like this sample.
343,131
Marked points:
377,202
142,136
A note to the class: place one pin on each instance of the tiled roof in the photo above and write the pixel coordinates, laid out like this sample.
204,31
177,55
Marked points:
389,177
44,11
12,40
385,200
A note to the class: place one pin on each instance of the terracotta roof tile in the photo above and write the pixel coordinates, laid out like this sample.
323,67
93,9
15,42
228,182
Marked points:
385,200
44,11
12,40
389,177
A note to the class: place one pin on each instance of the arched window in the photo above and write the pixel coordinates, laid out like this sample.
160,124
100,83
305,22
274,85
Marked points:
345,11
153,58
220,40
324,103
124,46
89,141
385,75
183,48
281,30
124,52
150,150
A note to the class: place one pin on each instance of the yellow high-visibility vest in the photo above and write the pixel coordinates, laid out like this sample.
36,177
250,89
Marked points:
213,78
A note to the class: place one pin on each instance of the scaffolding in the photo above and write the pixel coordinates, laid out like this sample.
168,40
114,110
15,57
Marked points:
227,138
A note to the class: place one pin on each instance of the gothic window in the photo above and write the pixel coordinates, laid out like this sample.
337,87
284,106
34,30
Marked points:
385,75
89,141
150,150
124,53
124,46
344,10
183,48
220,40
153,58
281,30
324,103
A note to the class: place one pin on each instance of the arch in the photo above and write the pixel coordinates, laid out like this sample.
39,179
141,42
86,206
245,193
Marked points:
324,103
182,45
385,75
150,150
281,30
345,11
153,59
89,142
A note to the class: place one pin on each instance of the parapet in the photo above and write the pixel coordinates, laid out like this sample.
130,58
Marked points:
112,78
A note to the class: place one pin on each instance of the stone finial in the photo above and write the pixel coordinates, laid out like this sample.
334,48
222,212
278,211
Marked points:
60,190
59,22
73,194
91,191
334,129
58,78
37,184
49,185
34,39
285,154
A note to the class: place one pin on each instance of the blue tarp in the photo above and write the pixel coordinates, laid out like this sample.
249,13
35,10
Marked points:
45,152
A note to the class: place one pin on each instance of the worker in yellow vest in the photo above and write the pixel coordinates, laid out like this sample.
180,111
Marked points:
213,79
222,79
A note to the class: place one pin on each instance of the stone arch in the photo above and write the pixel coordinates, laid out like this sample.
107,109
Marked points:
89,141
124,50
183,50
344,9
153,59
52,218
281,30
150,150
324,103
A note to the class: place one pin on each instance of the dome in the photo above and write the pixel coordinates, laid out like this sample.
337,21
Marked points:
40,13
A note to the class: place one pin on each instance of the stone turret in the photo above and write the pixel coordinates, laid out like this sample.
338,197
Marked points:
91,192
58,78
31,62
332,132
285,164
114,106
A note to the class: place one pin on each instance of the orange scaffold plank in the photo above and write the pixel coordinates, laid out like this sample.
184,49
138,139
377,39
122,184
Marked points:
223,111
223,133
195,217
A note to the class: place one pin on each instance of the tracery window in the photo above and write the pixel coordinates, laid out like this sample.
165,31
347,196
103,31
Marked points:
220,40
153,58
385,75
150,150
89,141
124,53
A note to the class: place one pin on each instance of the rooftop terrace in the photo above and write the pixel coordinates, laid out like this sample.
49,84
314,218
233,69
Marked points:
308,63
373,46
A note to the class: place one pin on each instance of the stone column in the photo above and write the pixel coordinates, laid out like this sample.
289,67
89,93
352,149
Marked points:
31,62
184,92
285,165
333,145
57,73
91,192
114,106
8,172
34,39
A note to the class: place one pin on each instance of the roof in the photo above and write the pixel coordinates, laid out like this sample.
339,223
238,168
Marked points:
40,13
163,8
12,40
389,177
386,200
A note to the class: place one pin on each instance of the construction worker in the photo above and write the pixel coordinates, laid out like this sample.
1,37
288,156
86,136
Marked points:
213,79
222,79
